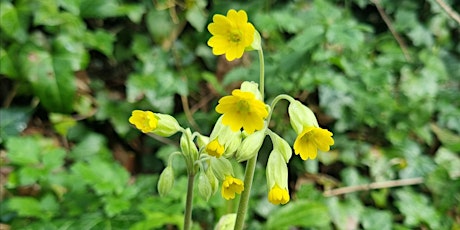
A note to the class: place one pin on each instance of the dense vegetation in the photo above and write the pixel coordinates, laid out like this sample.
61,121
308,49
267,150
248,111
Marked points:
383,76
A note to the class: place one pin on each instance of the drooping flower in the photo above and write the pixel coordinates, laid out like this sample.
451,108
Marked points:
214,148
232,34
230,186
310,140
242,110
145,121
278,195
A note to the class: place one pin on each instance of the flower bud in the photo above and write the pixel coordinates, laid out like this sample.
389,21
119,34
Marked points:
250,146
167,125
226,222
225,137
221,167
256,43
213,181
276,171
166,181
202,141
204,186
187,145
281,146
301,116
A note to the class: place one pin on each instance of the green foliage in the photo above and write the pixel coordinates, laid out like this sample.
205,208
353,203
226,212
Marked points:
72,71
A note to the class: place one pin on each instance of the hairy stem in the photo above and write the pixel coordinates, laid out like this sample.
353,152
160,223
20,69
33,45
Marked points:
188,202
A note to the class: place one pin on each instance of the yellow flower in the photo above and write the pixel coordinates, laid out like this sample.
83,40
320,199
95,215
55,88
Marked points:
278,195
232,34
230,186
145,121
214,148
310,140
242,109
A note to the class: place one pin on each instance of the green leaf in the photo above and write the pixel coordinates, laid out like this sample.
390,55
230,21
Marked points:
25,206
98,9
377,220
448,138
416,209
115,205
13,121
7,66
196,15
9,22
448,160
52,79
345,214
299,213
101,40
23,150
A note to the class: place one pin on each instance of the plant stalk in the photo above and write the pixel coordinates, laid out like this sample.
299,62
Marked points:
189,203
251,163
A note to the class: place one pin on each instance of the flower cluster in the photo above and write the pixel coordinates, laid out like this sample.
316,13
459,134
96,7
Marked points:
240,131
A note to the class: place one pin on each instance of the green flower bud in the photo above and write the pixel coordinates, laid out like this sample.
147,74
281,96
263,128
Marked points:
256,43
167,125
226,222
276,171
250,146
187,145
204,186
229,139
250,86
166,181
280,145
213,181
221,167
202,141
301,116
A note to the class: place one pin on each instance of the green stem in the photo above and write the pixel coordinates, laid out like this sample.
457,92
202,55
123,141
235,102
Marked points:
251,163
188,202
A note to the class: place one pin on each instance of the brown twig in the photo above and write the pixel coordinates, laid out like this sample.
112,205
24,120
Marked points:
395,34
454,15
375,185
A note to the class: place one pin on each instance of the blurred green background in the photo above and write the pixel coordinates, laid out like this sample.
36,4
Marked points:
382,75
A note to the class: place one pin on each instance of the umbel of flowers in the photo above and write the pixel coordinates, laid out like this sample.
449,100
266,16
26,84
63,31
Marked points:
239,132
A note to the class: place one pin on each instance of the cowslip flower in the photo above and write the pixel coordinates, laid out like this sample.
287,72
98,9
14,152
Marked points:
145,121
310,140
230,186
214,148
232,34
242,110
278,195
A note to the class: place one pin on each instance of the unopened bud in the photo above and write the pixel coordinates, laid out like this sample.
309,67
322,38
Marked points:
250,146
166,181
204,186
301,116
167,125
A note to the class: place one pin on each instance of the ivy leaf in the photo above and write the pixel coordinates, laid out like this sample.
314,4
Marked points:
299,213
51,78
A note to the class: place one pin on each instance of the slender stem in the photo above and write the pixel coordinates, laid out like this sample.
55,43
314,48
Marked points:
262,73
188,203
251,163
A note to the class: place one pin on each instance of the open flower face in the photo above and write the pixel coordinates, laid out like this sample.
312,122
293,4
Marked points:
232,34
310,140
278,195
230,186
145,121
242,110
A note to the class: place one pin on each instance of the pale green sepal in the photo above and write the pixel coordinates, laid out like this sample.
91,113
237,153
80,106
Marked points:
204,186
276,171
281,145
226,222
250,146
167,125
221,167
166,181
252,87
301,116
